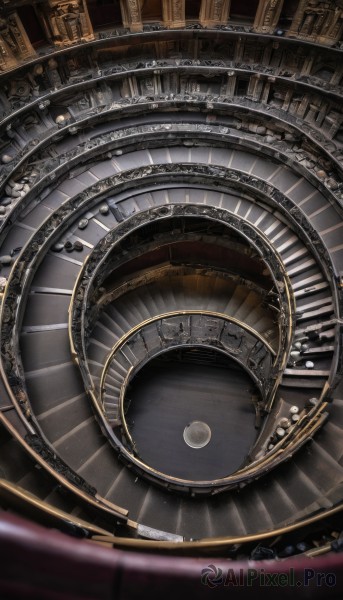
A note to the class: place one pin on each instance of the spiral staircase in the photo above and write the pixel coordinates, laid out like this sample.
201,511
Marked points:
171,288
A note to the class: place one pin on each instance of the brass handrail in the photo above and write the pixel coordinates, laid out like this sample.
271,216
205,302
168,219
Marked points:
178,313
215,543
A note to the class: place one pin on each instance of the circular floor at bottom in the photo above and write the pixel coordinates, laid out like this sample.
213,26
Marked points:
168,397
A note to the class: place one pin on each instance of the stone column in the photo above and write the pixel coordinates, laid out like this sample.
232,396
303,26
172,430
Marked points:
266,90
307,65
303,105
239,49
268,53
276,56
131,14
287,100
338,74
255,87
231,84
174,13
267,16
331,124
15,45
66,22
214,12
321,114
312,113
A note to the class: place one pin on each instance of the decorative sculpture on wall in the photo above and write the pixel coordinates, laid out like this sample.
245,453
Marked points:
7,47
15,45
66,22
318,21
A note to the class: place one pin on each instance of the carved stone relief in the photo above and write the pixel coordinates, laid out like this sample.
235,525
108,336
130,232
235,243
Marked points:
66,22
7,58
318,21
15,45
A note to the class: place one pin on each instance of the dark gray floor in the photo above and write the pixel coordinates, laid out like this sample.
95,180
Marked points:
165,399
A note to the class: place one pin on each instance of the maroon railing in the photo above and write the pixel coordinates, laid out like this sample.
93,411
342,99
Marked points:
44,564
